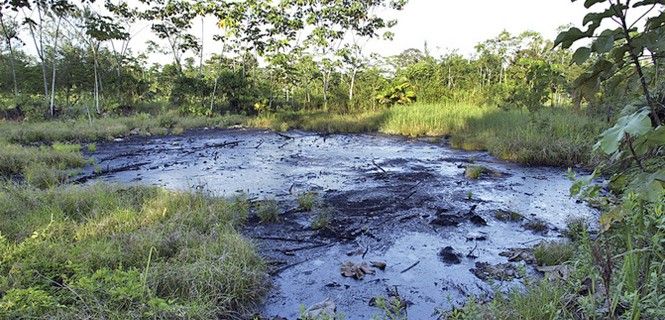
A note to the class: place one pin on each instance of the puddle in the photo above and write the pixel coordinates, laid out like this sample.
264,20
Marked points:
387,198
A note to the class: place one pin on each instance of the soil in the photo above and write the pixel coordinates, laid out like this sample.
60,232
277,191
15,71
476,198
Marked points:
391,202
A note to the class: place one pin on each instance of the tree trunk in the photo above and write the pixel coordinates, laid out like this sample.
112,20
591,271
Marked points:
353,83
39,47
638,67
326,84
53,61
214,92
12,57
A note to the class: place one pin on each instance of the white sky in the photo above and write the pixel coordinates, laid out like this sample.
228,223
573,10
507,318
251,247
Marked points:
461,24
445,24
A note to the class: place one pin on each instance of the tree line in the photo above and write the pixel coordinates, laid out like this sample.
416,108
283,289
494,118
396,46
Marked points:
61,57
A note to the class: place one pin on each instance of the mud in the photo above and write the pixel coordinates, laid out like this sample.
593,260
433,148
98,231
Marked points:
381,199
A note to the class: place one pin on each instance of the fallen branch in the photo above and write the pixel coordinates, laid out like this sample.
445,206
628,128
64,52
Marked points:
286,251
280,270
289,240
284,136
378,166
410,267
130,167
470,254
410,195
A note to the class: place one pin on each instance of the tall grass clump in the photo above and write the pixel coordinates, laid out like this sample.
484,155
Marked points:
111,252
551,136
16,160
431,119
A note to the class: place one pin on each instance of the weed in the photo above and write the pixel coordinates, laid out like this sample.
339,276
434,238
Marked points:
132,252
576,229
92,147
321,221
474,172
553,253
42,176
307,201
268,211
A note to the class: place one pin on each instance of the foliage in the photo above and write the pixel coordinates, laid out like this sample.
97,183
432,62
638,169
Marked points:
399,94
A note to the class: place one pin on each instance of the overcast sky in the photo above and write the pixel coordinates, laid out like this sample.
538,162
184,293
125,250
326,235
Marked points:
444,24
461,24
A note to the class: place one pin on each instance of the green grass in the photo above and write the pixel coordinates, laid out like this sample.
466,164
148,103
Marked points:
508,216
553,136
45,154
307,201
543,300
268,211
474,172
16,160
553,253
120,253
107,128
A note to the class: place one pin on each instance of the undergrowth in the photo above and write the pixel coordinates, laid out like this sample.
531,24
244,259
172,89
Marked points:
123,253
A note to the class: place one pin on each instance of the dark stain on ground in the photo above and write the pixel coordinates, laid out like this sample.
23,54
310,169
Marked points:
401,201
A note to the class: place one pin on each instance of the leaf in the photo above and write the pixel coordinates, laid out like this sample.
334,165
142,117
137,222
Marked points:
648,3
589,3
656,138
638,123
597,17
610,217
581,55
567,38
655,22
603,44
635,124
650,187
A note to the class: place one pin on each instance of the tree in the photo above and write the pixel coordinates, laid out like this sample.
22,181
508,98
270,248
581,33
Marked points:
171,21
638,135
9,32
97,29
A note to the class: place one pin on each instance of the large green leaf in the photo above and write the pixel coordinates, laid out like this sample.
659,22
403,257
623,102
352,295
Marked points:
649,186
567,38
581,55
636,124
597,17
648,3
603,44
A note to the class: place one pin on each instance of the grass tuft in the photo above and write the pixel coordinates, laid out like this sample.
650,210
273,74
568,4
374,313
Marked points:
553,253
307,201
268,211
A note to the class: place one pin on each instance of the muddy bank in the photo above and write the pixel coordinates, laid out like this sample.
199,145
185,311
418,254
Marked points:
407,203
